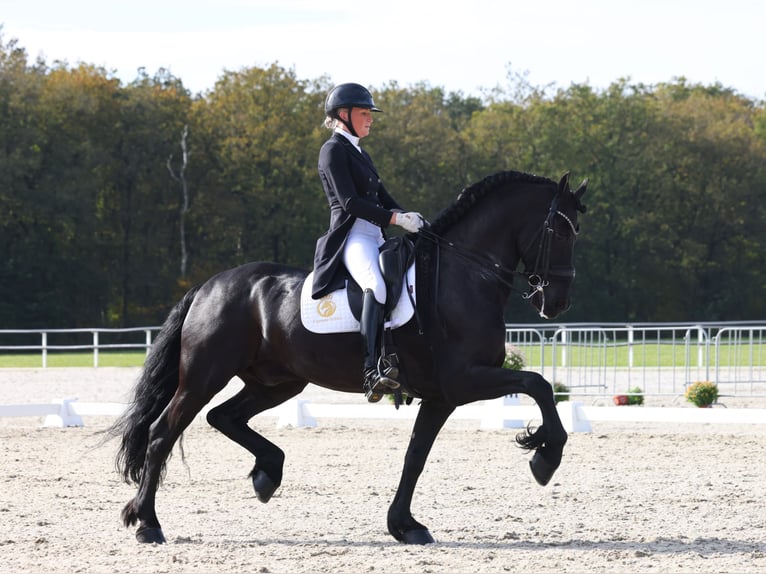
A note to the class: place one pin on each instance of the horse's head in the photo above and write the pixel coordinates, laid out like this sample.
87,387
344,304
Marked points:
549,255
526,217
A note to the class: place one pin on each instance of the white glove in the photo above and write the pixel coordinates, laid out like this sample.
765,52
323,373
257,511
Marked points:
409,221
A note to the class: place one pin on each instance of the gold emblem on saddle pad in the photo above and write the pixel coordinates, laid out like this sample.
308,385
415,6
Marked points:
326,307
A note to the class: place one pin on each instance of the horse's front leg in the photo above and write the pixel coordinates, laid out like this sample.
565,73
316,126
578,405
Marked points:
430,420
547,441
483,383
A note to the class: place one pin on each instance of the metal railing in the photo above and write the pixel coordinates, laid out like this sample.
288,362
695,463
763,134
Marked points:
658,358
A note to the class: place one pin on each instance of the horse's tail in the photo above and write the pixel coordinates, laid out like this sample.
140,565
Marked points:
153,391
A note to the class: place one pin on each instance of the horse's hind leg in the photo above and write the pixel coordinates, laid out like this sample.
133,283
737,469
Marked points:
231,417
163,434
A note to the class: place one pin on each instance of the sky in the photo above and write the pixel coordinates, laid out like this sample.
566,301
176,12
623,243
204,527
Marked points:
467,46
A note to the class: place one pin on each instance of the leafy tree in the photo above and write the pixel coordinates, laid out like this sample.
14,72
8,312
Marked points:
141,202
20,161
90,215
417,146
63,173
261,198
711,176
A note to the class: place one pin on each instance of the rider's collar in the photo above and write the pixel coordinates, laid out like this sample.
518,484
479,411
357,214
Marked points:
352,138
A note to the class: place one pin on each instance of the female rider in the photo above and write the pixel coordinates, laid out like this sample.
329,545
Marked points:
360,209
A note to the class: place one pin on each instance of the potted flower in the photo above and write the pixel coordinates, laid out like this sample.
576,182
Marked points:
634,396
561,392
702,393
516,361
621,400
514,358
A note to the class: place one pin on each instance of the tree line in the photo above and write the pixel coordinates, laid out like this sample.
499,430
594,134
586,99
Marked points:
117,197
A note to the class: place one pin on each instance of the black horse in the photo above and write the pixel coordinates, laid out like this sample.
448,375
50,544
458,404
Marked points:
245,322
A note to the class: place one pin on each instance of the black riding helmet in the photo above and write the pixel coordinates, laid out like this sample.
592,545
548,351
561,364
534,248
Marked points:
348,96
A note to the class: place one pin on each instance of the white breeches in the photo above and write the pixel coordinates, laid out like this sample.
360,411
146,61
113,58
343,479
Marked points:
360,256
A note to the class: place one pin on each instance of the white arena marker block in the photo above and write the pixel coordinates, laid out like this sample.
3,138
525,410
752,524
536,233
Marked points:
292,413
573,417
494,415
66,417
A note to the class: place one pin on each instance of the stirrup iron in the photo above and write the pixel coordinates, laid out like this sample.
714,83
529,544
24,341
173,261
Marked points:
388,369
373,389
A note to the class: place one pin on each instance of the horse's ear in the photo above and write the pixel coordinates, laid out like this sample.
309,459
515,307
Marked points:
564,182
578,193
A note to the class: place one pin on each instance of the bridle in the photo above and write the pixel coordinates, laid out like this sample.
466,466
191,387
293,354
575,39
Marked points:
537,279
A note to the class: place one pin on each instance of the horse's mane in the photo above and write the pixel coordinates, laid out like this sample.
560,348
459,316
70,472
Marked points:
472,194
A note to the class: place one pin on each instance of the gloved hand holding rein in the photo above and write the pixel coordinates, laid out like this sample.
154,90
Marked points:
410,221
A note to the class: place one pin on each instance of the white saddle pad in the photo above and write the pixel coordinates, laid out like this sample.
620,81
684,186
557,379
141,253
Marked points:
332,313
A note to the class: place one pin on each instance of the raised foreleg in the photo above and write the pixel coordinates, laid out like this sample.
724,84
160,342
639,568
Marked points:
483,383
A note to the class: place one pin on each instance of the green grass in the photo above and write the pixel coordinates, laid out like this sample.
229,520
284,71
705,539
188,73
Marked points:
81,359
646,355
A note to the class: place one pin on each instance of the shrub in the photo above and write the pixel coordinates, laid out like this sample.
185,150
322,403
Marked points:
702,393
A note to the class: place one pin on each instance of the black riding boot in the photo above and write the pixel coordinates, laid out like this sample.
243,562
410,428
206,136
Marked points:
376,383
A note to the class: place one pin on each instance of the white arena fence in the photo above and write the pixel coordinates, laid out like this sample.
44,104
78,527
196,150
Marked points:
502,413
45,341
595,361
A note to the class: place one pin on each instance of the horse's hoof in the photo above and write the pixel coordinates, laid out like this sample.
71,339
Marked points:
541,469
147,535
264,486
417,537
